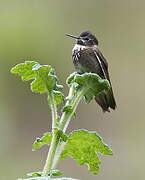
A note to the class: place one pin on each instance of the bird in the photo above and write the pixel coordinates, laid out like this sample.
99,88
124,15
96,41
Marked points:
87,57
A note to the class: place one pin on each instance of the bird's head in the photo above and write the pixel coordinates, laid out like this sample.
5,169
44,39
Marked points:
86,38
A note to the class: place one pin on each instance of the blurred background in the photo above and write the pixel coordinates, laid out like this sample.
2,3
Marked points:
34,30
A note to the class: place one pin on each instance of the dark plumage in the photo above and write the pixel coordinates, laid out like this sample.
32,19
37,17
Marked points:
88,58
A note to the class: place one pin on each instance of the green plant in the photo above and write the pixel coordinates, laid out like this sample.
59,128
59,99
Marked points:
81,145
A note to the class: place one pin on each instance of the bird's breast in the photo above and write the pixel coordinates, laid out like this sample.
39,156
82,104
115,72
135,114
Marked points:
78,47
76,52
84,59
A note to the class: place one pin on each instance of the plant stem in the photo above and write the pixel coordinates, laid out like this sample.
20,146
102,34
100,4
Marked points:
51,153
65,119
53,110
56,146
66,116
55,137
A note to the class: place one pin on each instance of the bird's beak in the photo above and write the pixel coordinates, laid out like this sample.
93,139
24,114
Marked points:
72,36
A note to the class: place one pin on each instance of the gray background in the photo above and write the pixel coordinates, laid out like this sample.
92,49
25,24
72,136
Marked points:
34,29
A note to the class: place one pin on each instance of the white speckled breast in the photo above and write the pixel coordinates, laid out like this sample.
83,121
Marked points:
78,47
76,51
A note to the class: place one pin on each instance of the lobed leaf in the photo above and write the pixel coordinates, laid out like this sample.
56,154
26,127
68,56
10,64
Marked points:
44,140
43,76
71,78
91,81
84,146
25,70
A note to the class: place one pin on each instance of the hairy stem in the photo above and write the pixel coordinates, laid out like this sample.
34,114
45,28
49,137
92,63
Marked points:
65,119
54,111
66,116
51,153
57,146
55,137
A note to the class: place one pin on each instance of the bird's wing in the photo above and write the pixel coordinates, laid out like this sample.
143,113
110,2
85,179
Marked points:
102,63
96,63
109,97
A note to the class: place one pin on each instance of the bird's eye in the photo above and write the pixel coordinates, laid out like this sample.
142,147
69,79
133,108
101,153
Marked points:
87,39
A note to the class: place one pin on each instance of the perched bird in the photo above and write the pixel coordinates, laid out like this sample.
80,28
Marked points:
88,58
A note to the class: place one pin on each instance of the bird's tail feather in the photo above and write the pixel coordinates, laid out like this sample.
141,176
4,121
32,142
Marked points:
106,101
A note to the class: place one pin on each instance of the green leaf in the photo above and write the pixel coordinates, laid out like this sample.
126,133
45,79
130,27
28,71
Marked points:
89,96
48,178
54,172
67,109
58,97
71,78
43,76
93,83
39,142
24,70
46,139
63,136
34,174
84,146
38,87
